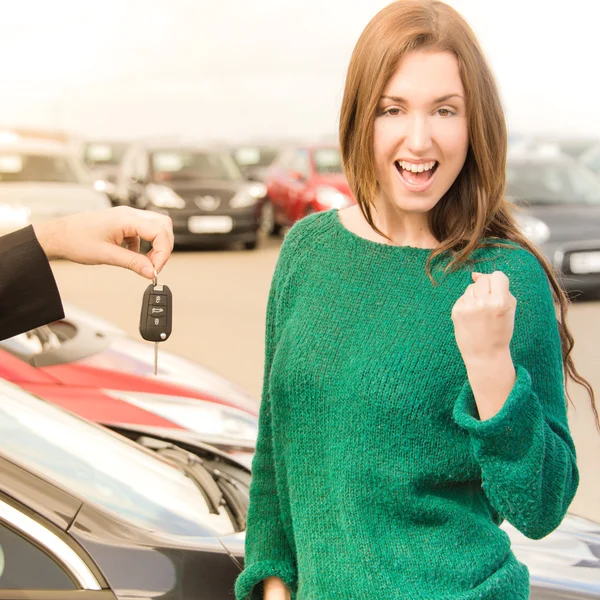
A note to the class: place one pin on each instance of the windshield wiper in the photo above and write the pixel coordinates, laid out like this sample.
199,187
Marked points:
219,488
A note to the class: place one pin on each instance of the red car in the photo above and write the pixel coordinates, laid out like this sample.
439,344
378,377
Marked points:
95,370
303,180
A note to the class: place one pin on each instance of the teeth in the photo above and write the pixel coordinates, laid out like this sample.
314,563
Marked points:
417,168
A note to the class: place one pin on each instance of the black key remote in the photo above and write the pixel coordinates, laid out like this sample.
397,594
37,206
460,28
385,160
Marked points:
156,316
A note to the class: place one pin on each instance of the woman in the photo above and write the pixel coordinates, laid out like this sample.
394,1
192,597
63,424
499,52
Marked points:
414,392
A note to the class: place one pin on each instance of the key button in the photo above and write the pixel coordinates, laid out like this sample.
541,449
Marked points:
157,321
158,300
157,311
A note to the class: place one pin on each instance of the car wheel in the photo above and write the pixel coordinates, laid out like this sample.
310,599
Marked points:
267,224
251,245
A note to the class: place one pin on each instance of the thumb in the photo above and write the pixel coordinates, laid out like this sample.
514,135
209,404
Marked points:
476,276
134,261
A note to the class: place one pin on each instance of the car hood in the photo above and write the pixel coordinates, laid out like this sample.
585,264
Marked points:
336,180
569,556
568,222
51,200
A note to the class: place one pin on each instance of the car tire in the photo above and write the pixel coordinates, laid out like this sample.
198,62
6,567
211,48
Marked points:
268,226
251,245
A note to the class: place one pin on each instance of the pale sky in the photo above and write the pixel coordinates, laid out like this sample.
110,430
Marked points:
236,69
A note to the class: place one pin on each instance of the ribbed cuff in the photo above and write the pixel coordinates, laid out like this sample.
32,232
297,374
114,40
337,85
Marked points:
246,585
509,431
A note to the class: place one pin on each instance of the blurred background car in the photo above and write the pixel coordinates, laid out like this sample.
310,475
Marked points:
83,509
255,160
203,191
558,202
103,158
42,180
92,368
304,180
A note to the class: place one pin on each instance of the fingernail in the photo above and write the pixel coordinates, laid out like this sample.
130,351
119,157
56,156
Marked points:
148,272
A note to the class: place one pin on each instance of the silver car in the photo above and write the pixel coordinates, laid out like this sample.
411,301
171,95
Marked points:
42,180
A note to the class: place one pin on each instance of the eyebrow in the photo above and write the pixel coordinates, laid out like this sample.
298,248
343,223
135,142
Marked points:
401,100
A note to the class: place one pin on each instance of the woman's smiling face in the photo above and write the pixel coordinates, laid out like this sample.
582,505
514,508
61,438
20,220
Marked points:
421,133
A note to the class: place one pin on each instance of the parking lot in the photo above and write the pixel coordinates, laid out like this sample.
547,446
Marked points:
219,306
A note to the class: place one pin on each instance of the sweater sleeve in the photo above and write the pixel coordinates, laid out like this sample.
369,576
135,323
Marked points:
29,297
525,451
268,551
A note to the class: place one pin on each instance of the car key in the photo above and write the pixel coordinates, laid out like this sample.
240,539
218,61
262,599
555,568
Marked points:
156,315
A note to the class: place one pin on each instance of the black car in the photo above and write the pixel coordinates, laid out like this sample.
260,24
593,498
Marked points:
84,510
558,202
201,189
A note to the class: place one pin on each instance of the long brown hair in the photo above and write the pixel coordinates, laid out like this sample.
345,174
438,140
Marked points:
474,207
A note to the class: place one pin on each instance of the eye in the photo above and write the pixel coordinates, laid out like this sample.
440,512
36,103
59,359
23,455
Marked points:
392,111
446,112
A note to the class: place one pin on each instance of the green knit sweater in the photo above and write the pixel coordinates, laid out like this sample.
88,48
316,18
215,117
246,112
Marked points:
373,476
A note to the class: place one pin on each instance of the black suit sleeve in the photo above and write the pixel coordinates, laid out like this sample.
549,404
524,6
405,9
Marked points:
29,296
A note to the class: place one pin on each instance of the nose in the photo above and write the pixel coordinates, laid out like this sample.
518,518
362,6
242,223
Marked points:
418,135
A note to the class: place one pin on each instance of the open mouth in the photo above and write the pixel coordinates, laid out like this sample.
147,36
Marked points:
416,174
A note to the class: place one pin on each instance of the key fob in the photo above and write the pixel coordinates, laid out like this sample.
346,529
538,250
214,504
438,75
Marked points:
157,311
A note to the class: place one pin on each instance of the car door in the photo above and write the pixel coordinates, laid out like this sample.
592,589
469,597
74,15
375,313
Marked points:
38,561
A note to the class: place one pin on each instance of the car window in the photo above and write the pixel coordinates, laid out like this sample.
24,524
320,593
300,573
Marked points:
104,153
592,159
103,468
301,163
254,156
327,160
552,183
25,566
21,167
170,165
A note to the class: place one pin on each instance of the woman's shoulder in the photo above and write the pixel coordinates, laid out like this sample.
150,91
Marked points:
519,263
310,231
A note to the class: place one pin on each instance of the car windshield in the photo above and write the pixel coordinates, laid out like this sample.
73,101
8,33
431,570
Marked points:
104,153
328,160
552,183
253,156
21,167
175,165
103,468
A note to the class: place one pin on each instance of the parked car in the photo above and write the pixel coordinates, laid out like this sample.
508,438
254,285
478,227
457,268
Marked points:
103,158
42,180
558,202
303,180
95,370
85,512
201,189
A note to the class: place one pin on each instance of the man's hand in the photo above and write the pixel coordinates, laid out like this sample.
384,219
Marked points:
97,238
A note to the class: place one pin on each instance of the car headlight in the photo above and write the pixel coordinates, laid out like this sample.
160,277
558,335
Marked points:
14,217
101,185
535,230
332,197
164,197
248,196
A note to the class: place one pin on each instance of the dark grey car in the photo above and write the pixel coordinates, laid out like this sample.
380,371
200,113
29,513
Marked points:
559,200
86,513
202,189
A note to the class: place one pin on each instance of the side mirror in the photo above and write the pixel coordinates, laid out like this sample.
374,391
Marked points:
295,175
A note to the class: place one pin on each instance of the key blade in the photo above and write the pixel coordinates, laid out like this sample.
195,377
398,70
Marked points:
155,358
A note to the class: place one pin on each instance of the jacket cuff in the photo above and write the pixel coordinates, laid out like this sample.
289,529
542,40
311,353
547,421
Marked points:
248,585
509,431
